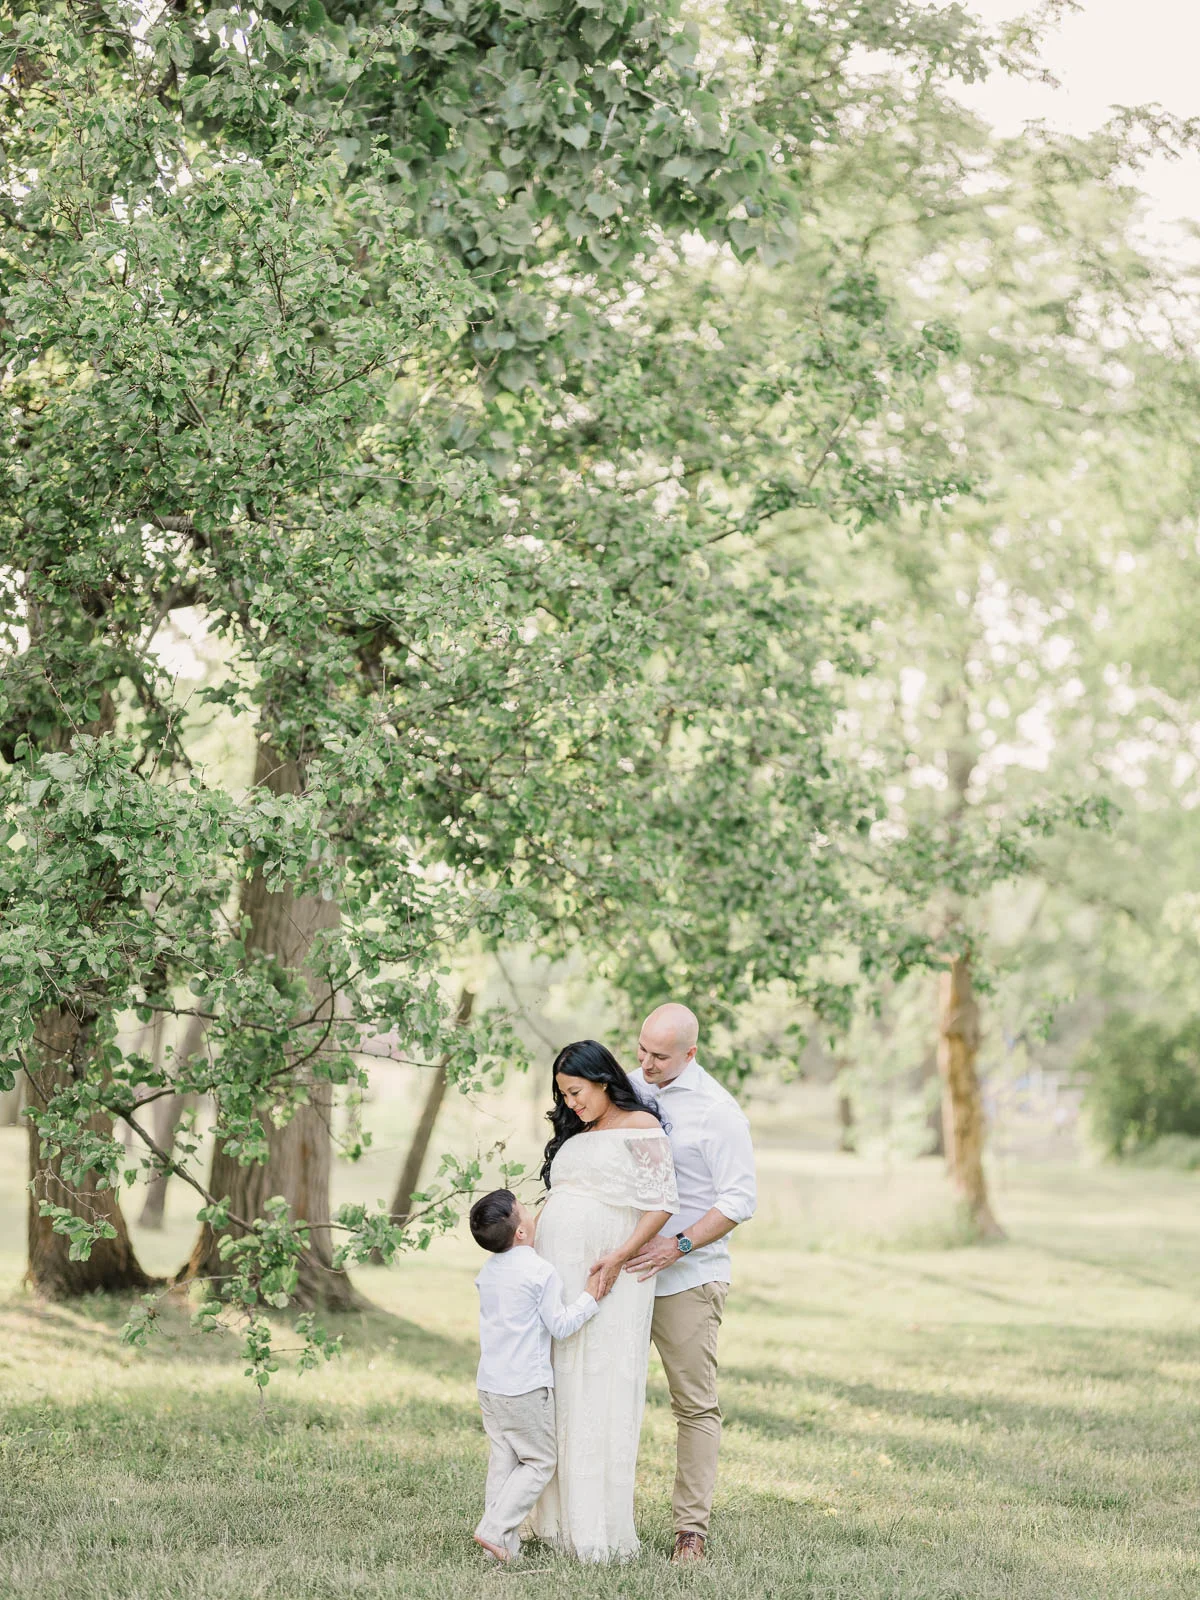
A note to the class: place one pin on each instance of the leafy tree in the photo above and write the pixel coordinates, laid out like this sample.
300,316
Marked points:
531,143
224,359
995,652
519,647
212,345
1143,1082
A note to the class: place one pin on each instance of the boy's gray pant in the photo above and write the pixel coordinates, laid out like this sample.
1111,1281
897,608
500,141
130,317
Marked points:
524,1456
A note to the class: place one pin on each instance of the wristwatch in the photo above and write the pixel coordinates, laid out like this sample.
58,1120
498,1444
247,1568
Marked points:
684,1243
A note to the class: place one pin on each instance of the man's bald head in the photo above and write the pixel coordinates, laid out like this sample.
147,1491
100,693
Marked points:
676,1022
667,1043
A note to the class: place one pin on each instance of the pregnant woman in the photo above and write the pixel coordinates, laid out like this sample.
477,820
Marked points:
612,1187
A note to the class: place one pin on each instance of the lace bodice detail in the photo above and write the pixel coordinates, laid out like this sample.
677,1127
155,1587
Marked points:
619,1167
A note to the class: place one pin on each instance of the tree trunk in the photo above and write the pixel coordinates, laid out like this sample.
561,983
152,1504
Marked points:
298,1167
410,1173
10,1106
168,1114
299,1162
112,1265
963,1127
962,1102
149,1042
847,1141
934,1122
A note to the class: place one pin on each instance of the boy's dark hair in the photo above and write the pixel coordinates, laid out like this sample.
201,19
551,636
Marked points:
494,1220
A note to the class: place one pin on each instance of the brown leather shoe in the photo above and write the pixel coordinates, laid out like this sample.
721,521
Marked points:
689,1548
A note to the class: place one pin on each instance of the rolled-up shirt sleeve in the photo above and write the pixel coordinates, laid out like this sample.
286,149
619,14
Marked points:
562,1320
731,1161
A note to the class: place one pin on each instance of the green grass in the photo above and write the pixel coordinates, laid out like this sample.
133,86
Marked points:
903,1422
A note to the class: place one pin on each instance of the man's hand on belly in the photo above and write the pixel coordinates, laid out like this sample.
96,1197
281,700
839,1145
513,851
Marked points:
663,1251
660,1252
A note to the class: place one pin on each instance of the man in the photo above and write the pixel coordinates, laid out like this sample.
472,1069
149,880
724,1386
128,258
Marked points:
714,1169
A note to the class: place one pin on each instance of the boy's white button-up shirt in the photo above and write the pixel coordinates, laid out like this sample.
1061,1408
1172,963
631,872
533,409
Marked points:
714,1166
520,1310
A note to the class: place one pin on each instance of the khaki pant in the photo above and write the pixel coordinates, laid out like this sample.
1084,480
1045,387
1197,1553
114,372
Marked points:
684,1331
522,1462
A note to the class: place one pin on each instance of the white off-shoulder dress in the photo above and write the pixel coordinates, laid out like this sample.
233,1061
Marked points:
599,1183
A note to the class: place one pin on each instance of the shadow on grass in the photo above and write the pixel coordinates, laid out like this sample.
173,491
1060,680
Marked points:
136,1432
90,1327
768,1424
1107,1265
1092,1359
1108,1454
892,1264
746,1302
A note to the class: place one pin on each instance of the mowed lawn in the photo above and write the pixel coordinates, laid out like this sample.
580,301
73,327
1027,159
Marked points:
915,1423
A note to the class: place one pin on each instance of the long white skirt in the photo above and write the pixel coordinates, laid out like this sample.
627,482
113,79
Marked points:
599,1385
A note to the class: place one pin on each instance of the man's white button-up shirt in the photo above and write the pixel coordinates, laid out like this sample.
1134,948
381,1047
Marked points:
520,1308
714,1166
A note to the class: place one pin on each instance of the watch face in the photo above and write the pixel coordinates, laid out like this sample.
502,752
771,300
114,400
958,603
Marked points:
684,1245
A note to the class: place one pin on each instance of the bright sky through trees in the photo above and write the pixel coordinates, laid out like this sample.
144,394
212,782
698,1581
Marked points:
1109,53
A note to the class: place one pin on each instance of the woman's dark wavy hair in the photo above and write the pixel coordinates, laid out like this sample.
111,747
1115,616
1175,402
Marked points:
587,1059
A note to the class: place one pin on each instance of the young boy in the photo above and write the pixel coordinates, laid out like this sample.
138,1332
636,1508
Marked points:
520,1307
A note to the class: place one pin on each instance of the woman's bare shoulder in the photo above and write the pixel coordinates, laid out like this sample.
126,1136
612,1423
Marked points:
641,1119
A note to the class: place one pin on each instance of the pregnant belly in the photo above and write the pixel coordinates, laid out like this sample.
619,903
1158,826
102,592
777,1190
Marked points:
574,1229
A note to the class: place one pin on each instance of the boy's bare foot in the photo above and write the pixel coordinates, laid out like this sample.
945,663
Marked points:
496,1550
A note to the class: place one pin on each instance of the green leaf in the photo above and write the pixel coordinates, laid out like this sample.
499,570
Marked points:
602,205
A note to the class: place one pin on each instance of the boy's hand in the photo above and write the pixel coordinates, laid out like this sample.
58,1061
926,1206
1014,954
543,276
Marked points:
606,1271
596,1285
